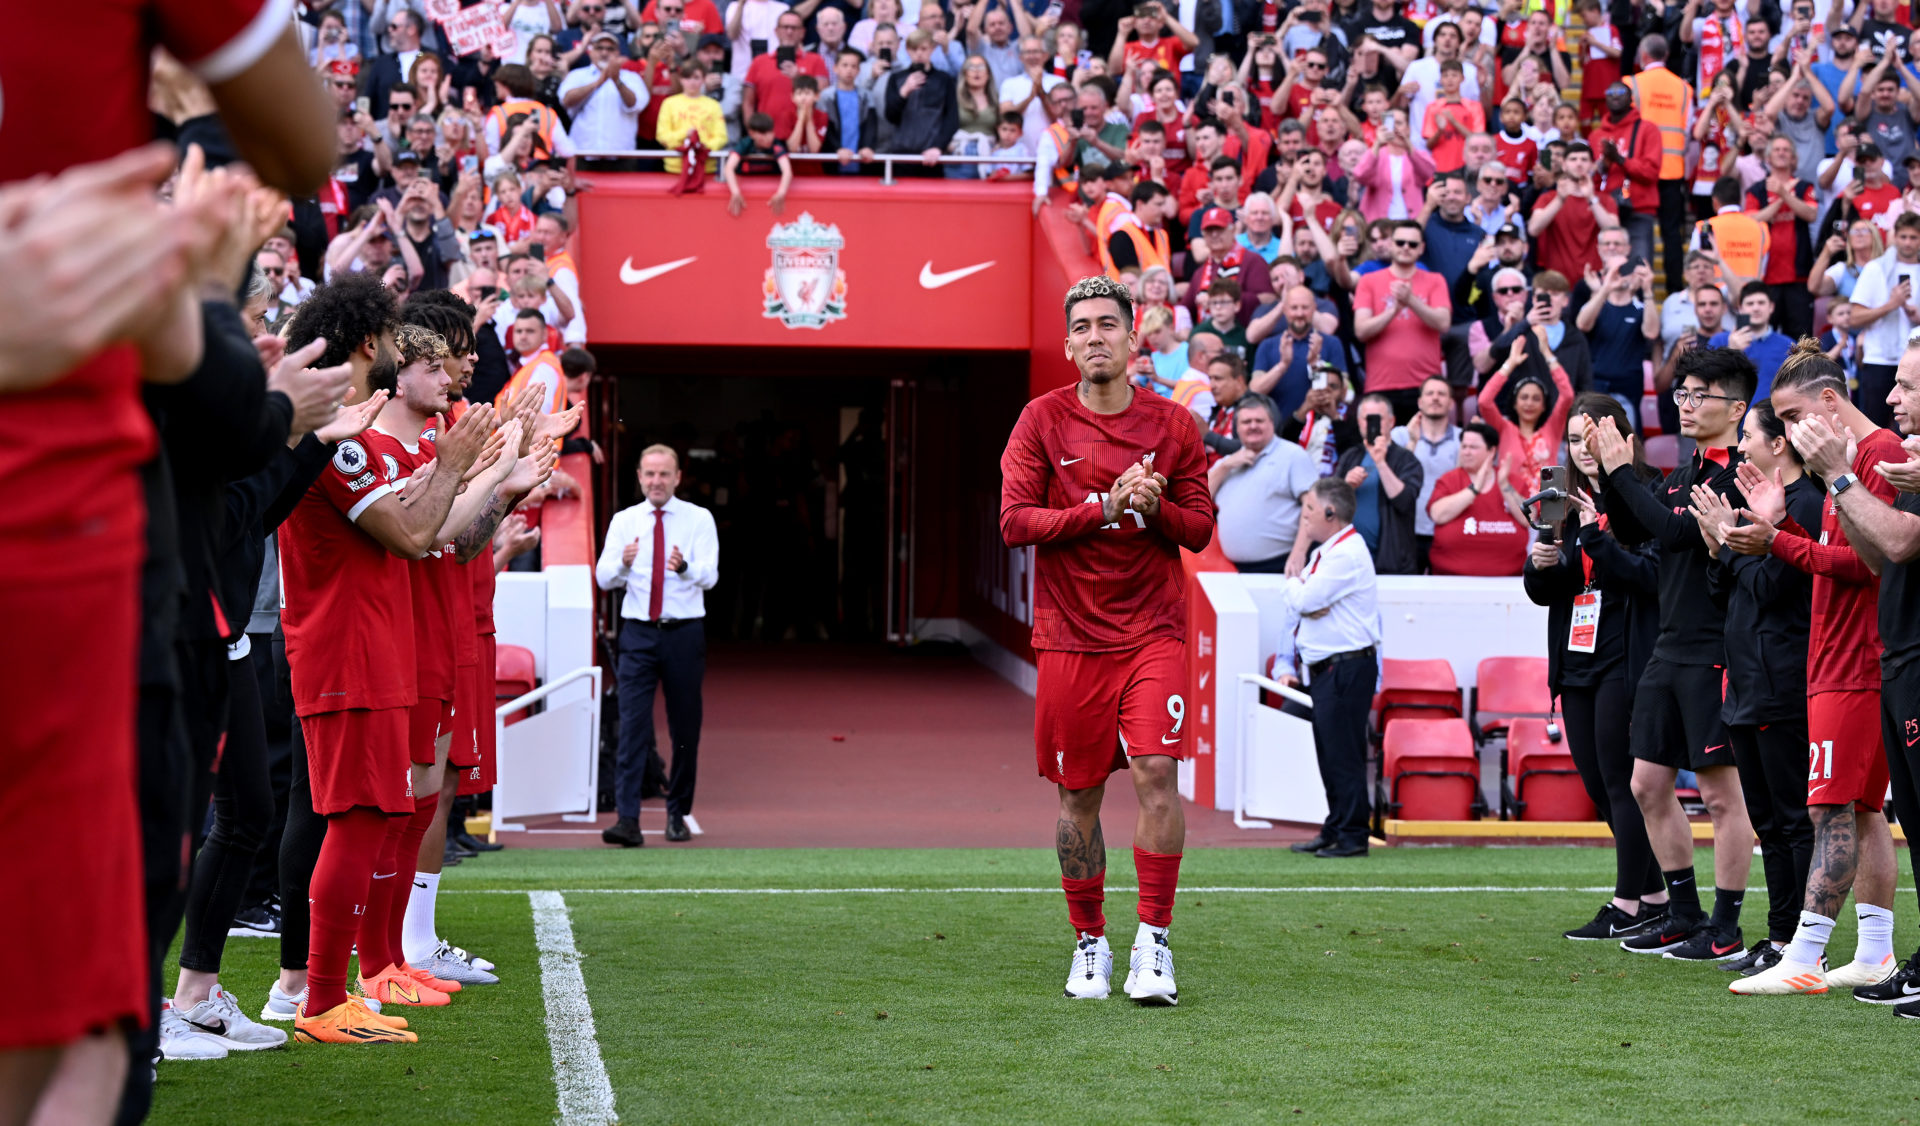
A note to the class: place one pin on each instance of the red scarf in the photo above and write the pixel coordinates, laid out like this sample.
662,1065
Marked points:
1715,50
693,165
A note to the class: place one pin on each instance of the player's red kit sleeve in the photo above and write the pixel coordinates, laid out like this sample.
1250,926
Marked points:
1843,647
1102,587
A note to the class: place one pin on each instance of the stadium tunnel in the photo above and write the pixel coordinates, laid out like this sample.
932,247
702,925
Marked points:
840,380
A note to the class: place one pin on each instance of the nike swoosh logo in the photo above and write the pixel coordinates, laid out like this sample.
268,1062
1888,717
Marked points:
1710,750
418,884
631,276
1727,949
1165,741
1912,741
1204,676
931,280
1071,460
1907,989
217,1029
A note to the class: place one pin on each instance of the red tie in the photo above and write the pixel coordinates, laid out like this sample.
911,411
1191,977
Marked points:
656,592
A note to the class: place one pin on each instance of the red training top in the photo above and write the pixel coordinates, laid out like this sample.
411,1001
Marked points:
1103,587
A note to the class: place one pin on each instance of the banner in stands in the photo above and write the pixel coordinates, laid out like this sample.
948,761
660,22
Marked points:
850,263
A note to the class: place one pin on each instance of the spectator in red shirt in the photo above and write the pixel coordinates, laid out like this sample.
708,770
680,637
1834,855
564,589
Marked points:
1478,526
1567,221
1221,256
1160,37
1517,151
769,82
697,17
1872,192
1195,183
1399,314
1786,204
1303,82
1165,92
1449,119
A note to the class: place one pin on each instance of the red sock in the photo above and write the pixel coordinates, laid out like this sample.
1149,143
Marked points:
337,897
375,947
1084,898
1159,874
407,858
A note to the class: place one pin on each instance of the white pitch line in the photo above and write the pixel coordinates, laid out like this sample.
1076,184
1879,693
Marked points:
1221,890
579,1075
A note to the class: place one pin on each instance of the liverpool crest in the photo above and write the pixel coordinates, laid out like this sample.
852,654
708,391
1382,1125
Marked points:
805,287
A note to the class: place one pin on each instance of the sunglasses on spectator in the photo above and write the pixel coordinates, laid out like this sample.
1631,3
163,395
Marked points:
1684,397
399,105
1508,290
344,83
1405,243
1492,179
1314,66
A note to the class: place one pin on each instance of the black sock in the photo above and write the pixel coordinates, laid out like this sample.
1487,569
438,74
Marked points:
1726,910
1683,895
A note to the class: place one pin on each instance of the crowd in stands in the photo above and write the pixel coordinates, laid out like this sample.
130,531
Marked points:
1433,213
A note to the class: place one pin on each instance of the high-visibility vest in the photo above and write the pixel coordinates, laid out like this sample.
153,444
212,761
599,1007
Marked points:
1184,391
537,367
1066,169
1665,99
1104,216
1150,248
1741,242
545,120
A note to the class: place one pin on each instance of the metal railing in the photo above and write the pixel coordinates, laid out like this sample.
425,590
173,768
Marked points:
886,160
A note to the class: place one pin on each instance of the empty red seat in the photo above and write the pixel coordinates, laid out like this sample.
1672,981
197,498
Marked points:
1506,688
513,676
1663,451
1430,771
1545,784
1423,689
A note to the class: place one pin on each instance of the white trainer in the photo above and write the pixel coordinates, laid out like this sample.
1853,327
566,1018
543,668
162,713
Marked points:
475,961
219,1018
1150,972
1092,969
281,1006
1783,977
181,1041
1857,973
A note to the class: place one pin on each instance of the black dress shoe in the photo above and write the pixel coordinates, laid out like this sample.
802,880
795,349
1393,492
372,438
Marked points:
474,844
454,848
1314,845
1340,851
677,828
625,832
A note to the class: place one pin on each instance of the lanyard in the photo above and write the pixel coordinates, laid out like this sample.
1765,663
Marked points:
1328,546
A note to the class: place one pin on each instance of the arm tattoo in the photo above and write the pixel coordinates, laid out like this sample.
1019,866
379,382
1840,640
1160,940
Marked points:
1082,856
479,535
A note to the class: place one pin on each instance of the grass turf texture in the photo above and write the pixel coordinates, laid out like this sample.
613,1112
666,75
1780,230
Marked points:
1307,1006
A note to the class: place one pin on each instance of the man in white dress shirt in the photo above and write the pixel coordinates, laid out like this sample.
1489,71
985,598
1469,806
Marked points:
1338,643
665,554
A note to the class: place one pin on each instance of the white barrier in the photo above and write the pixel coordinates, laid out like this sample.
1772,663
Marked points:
549,763
1463,620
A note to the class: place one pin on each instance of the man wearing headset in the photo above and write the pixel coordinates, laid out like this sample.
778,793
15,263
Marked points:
1338,643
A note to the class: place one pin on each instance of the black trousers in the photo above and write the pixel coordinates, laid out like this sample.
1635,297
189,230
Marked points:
178,733
1342,696
1900,730
1772,762
674,659
1792,308
276,713
1597,739
1876,383
300,843
1674,228
242,809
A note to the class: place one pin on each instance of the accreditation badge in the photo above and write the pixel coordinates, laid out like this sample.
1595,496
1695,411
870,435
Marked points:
1586,622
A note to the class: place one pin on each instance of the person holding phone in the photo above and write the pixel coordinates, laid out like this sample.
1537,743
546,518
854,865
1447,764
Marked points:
1393,175
1885,312
1386,481
1533,426
769,81
1588,579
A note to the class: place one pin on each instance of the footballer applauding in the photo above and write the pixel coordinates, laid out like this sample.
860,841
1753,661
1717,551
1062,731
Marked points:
1108,483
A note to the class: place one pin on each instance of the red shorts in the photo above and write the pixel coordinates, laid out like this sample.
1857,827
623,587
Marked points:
1092,711
359,757
465,752
1846,762
426,722
478,779
70,867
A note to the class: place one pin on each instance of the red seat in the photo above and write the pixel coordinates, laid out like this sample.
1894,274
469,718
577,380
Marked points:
1663,452
1431,771
1545,785
1423,689
1506,688
513,676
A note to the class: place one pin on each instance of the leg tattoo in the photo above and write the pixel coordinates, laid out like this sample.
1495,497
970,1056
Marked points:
1835,854
1082,855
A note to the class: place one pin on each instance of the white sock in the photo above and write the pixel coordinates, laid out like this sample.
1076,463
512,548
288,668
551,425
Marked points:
1809,940
1875,942
419,938
1144,936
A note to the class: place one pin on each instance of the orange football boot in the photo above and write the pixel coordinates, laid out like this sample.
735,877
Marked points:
351,1023
428,980
393,987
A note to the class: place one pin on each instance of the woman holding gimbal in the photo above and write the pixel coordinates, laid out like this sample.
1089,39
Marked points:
1603,613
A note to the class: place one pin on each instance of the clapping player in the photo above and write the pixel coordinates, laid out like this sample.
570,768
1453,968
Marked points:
1108,483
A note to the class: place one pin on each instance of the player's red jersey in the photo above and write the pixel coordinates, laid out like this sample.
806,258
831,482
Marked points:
432,578
349,606
1100,587
69,451
1843,646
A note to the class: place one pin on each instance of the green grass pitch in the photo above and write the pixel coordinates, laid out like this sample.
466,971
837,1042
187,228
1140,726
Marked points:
1390,1005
